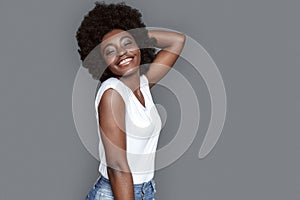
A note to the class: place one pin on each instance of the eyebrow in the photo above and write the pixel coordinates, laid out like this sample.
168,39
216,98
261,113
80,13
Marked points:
122,38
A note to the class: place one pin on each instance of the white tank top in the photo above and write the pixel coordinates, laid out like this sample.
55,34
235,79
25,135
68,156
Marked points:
143,125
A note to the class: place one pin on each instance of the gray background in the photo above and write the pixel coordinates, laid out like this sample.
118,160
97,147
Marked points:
255,44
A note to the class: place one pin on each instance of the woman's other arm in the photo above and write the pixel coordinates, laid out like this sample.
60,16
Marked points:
171,44
111,111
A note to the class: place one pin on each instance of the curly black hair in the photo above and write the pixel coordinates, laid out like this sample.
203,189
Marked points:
104,18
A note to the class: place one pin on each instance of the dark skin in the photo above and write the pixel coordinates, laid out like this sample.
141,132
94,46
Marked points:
121,53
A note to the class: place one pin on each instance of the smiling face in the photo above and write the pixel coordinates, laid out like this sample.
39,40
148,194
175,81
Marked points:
120,52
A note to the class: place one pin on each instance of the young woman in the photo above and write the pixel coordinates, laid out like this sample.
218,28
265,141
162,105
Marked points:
129,124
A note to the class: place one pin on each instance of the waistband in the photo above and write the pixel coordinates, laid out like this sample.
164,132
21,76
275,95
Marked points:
140,186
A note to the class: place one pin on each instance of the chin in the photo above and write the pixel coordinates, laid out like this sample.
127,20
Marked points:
131,71
124,72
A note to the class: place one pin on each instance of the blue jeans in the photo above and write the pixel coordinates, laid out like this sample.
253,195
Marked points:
102,190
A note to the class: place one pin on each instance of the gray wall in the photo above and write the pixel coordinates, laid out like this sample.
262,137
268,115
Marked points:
255,44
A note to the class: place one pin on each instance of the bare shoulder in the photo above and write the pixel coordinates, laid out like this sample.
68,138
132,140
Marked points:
111,97
111,109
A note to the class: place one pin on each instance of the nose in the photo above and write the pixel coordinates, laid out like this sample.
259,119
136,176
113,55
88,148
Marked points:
122,51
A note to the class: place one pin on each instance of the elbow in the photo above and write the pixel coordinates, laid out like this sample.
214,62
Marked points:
118,167
115,173
180,43
182,39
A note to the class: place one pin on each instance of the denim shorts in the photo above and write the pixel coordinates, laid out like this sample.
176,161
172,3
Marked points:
102,190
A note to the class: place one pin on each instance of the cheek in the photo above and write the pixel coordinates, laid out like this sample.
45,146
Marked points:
109,60
136,51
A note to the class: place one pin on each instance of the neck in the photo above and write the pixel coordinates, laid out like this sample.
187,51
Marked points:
132,81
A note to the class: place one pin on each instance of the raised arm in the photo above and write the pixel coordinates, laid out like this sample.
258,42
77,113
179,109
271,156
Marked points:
111,111
171,45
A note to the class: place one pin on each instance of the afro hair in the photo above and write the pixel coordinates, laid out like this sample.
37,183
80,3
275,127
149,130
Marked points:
104,18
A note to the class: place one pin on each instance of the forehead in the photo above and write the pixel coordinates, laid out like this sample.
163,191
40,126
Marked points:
114,35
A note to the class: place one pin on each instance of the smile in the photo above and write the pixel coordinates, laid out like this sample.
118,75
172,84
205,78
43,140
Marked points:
124,62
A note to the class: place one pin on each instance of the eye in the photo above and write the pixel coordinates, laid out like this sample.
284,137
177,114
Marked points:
109,51
127,42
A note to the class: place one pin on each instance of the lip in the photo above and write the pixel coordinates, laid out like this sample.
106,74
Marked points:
125,61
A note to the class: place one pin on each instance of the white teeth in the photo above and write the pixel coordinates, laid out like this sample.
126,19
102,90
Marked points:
125,61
